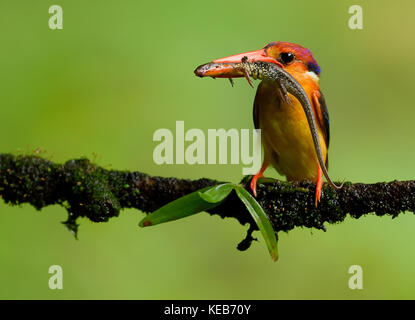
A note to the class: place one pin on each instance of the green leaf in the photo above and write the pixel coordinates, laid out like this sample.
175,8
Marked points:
217,193
261,220
195,202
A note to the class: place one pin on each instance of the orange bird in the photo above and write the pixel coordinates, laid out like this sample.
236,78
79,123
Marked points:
286,135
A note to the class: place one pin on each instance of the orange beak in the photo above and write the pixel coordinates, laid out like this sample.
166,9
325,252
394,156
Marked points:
253,56
224,67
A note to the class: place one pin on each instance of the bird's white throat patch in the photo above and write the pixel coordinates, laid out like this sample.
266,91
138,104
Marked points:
313,76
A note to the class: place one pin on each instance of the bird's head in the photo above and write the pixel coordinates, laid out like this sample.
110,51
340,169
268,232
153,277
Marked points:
295,59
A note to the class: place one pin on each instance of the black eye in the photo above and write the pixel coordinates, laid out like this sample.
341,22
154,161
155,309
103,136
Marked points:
286,57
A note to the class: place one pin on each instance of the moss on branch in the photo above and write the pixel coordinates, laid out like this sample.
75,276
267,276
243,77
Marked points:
88,190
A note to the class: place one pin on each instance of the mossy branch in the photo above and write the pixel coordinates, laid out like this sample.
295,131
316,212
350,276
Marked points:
88,190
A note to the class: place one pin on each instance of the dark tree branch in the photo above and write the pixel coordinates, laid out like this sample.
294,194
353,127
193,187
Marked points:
87,190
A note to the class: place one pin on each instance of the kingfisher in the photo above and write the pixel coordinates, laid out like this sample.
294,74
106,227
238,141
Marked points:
286,137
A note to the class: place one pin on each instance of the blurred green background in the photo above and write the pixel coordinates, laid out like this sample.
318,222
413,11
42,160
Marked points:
119,70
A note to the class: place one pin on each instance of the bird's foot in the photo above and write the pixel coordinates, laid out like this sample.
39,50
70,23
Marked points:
259,175
319,186
254,182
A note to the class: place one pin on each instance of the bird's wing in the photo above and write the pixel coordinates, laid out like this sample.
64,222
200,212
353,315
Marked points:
319,103
322,114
